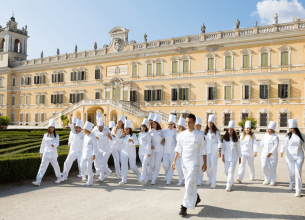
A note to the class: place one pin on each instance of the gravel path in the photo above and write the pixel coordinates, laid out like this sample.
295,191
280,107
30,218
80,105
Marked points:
109,200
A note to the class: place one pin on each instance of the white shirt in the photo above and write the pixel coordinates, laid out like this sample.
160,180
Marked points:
129,148
213,142
189,145
270,143
156,138
103,143
231,149
90,146
76,140
115,140
144,139
46,149
170,140
295,147
248,146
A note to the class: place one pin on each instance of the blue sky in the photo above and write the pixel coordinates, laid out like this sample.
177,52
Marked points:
62,24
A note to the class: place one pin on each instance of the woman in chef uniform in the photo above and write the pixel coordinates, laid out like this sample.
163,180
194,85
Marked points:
48,154
269,155
231,153
144,139
181,127
116,133
170,135
157,148
295,145
249,150
128,141
213,146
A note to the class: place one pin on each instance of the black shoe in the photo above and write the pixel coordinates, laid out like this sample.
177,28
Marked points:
198,200
183,211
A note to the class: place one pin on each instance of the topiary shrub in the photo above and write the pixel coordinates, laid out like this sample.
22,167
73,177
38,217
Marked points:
4,121
253,123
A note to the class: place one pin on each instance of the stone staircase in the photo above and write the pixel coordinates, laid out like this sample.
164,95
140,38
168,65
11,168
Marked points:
122,105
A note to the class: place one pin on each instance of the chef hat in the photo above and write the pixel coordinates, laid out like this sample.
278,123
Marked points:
172,118
145,122
151,116
98,115
100,121
182,122
248,124
52,123
212,118
293,123
88,126
198,121
128,124
272,125
74,120
111,124
157,118
79,123
122,119
231,124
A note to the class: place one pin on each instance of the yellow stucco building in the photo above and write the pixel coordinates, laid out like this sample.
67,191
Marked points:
257,71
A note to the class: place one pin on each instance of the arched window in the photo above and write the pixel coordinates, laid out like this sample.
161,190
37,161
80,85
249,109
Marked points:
2,44
17,46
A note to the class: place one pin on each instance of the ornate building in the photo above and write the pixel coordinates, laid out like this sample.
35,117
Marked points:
257,71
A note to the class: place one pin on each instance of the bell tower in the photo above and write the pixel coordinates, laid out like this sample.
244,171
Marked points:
13,43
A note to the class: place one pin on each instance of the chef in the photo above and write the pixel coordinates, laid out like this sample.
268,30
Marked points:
198,126
151,117
269,155
181,126
190,147
295,145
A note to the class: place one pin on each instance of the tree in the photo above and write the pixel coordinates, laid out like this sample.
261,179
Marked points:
253,123
4,121
64,120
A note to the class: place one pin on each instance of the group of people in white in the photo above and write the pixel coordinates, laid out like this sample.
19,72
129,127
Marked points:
184,147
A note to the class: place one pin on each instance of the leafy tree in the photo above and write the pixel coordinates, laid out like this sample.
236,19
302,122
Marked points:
64,120
253,123
4,121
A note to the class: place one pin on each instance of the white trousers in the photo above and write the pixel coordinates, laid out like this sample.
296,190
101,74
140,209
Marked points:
230,169
295,172
116,157
179,167
101,162
145,161
190,196
44,165
200,172
242,166
269,168
132,164
168,159
155,164
69,161
212,161
86,166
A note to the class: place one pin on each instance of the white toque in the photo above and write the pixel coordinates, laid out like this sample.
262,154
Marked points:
212,118
182,122
157,118
88,126
100,121
151,116
248,124
128,124
172,118
111,124
52,123
231,124
198,121
272,125
79,123
145,122
293,123
122,119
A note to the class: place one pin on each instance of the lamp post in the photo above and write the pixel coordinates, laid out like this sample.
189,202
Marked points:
105,119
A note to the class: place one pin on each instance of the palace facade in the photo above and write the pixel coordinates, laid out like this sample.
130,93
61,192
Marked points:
257,72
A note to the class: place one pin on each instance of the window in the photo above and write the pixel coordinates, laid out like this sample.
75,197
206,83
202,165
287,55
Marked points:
28,80
27,117
116,94
174,94
149,69
244,116
228,94
80,75
186,65
14,82
36,117
98,74
37,99
21,117
263,119
125,95
228,64
1,82
58,98
174,66
21,81
1,100
246,63
42,116
40,79
22,100
284,58
13,100
43,99
183,94
134,70
148,95
159,95
133,96
107,95
210,63
159,68
73,76
27,100
264,91
264,57
227,119
246,91
211,93
283,120
284,91
97,95
184,115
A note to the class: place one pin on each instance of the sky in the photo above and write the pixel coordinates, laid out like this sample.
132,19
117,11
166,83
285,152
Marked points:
64,23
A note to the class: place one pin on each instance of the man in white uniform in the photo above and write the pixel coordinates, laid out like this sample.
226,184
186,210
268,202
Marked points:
200,173
190,145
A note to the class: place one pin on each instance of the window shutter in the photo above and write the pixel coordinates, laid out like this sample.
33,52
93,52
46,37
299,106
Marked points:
174,66
149,69
246,61
40,99
180,94
215,93
82,96
43,99
35,79
284,58
96,74
37,100
62,98
250,91
57,99
185,65
78,76
186,94
130,96
211,64
279,90
228,62
70,101
268,91
71,76
51,98
159,66
145,95
153,95
44,79
22,81
289,90
134,70
172,94
260,89
264,59
84,76
243,91
161,98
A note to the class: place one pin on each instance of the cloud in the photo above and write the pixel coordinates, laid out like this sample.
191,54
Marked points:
285,9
